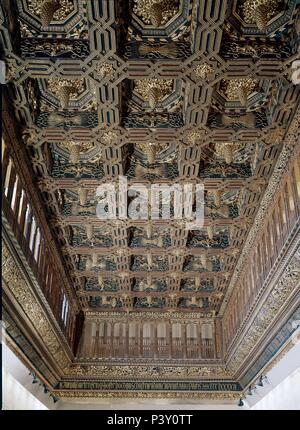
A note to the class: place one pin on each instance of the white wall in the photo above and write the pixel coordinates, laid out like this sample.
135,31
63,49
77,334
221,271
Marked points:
285,396
18,392
282,389
16,397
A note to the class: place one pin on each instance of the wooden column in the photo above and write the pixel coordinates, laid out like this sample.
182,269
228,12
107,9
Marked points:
184,343
104,343
87,339
23,213
218,338
28,227
94,331
155,341
141,340
17,201
169,338
127,339
97,344
111,339
199,341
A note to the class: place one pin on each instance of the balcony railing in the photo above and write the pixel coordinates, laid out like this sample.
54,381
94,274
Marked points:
282,218
22,219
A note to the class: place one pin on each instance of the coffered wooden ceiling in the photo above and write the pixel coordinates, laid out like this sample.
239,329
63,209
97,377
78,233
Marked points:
160,92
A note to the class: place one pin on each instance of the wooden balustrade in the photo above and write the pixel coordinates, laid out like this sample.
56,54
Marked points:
282,218
22,219
106,339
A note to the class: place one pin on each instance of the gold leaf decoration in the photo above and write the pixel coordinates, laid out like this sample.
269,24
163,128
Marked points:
156,12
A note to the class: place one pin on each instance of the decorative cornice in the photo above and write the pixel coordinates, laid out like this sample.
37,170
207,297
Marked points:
143,372
287,253
16,283
146,395
285,287
273,351
96,316
21,262
26,353
290,144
